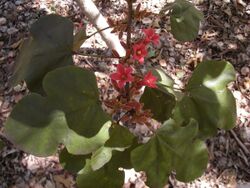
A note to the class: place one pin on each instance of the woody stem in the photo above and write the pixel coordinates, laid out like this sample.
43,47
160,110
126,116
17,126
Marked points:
130,18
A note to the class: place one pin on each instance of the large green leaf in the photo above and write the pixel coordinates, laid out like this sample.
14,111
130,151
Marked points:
38,124
49,47
207,98
119,137
212,74
102,156
72,163
80,145
185,20
160,102
74,91
108,176
192,163
35,126
166,152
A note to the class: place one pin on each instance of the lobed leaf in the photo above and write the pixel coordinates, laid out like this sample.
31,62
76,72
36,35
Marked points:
108,176
72,163
38,124
192,163
105,177
74,91
49,47
161,103
35,126
185,20
102,156
119,137
80,145
207,99
165,152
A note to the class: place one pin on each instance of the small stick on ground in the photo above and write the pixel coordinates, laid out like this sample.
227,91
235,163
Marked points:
243,147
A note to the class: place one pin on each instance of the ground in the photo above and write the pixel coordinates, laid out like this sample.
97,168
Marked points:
224,34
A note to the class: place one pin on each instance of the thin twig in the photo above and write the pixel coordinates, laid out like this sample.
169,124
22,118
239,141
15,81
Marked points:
243,147
98,31
130,18
90,64
95,55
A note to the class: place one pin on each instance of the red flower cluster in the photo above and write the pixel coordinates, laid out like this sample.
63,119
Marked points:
122,76
140,48
151,36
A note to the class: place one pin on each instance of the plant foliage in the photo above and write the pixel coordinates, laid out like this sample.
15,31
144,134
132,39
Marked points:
47,48
64,106
185,20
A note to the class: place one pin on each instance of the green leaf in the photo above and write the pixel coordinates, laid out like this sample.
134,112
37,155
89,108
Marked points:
102,156
49,47
35,126
79,38
38,124
185,20
72,163
74,91
192,163
212,74
108,176
164,82
162,153
105,177
161,103
207,99
80,145
119,137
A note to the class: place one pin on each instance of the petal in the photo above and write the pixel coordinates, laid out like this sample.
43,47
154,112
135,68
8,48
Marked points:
128,70
115,76
120,68
121,84
130,78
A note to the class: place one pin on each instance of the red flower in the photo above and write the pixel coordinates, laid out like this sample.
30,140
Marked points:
151,36
149,80
140,52
122,75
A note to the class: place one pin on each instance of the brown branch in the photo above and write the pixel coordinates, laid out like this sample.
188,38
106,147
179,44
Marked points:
130,19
